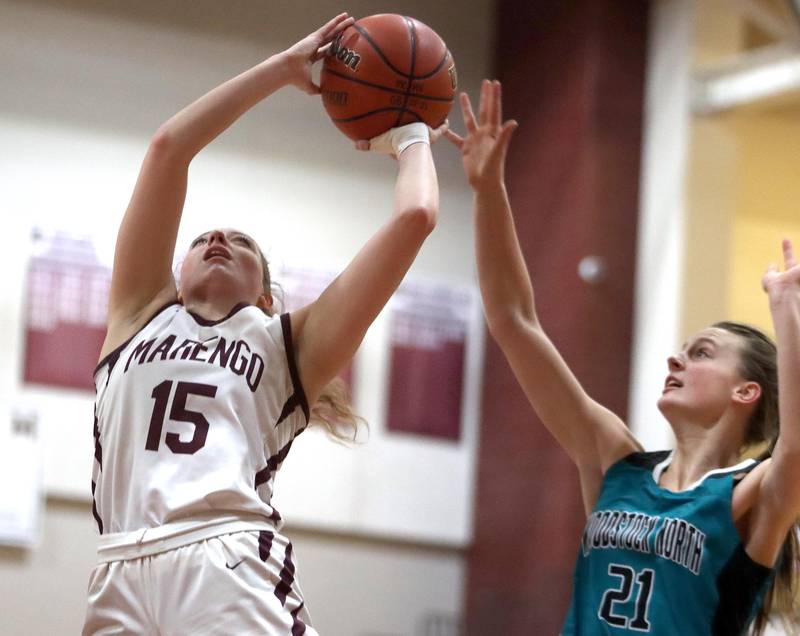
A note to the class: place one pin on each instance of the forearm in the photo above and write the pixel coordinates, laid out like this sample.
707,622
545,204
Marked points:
417,188
194,127
502,274
785,309
333,326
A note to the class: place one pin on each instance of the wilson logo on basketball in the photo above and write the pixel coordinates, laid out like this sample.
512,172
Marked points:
346,56
338,98
453,78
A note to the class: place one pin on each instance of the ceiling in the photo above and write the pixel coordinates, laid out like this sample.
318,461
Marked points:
763,73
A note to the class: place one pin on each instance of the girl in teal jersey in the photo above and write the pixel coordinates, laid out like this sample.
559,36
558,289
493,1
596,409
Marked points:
692,541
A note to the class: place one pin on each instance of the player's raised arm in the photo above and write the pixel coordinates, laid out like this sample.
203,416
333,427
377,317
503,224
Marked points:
330,329
592,436
778,504
142,276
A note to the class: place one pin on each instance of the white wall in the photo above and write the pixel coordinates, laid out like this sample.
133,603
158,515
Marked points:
84,88
353,586
661,238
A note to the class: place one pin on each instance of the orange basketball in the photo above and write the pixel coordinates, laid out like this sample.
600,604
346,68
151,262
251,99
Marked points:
385,71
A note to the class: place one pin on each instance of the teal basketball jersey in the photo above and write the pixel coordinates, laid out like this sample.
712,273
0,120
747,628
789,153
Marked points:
653,561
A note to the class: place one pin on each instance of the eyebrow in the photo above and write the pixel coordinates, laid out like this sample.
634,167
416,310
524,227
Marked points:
230,233
702,339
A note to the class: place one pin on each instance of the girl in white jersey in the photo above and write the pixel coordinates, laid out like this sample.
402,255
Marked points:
201,391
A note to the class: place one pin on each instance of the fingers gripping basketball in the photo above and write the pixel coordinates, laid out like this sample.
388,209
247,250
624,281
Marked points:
385,71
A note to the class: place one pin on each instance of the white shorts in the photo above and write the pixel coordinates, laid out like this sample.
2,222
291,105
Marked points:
242,583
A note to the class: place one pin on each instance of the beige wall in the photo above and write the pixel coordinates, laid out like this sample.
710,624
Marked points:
743,188
767,208
353,586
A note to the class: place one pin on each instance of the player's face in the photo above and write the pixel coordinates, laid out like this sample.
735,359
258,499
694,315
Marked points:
703,377
227,256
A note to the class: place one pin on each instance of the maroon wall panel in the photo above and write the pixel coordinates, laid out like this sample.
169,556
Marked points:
573,76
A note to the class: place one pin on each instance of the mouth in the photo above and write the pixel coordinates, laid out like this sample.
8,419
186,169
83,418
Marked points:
672,383
216,251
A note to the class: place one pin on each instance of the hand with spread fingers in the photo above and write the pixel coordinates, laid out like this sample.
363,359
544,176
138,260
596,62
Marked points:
777,283
484,147
301,56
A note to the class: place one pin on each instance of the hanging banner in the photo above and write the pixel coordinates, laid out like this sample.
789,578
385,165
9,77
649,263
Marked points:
428,340
67,298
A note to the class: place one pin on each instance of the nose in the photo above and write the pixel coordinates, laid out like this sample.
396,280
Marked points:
217,236
675,363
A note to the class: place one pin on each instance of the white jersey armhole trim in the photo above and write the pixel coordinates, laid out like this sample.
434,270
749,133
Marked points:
659,469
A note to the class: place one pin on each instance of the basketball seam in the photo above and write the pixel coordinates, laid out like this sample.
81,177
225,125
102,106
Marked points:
397,91
377,49
412,34
373,112
436,70
415,113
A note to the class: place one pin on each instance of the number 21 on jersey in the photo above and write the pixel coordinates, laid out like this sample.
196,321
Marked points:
622,592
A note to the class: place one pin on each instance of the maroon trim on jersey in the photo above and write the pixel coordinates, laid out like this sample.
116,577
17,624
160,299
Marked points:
98,450
286,575
265,538
96,514
205,322
288,408
299,393
263,475
115,353
298,626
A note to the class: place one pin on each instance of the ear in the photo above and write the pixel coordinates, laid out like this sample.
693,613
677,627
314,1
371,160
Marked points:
747,393
264,302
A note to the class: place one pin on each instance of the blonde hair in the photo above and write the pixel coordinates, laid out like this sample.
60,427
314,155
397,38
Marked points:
758,361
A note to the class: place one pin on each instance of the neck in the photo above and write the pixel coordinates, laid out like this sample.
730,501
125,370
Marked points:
213,307
210,311
698,450
214,298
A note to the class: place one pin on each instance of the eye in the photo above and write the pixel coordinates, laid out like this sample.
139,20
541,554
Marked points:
198,241
243,240
702,352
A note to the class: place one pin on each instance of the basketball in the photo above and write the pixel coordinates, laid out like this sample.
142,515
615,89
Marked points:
385,71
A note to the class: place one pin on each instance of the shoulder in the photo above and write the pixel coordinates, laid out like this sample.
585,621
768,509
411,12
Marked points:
748,487
644,460
634,467
122,328
120,337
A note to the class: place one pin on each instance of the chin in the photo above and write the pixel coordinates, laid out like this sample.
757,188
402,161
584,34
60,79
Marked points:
666,403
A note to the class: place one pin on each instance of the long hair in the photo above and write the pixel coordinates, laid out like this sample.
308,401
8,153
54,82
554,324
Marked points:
332,410
759,363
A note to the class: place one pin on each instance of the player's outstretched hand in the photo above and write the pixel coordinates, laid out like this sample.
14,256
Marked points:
775,282
301,56
484,147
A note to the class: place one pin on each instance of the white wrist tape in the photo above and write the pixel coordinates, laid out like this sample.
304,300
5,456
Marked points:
396,140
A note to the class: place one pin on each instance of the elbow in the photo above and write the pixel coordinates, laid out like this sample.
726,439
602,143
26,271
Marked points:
506,324
164,145
163,141
421,220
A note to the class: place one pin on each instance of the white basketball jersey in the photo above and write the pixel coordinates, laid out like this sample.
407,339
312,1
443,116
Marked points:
192,420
